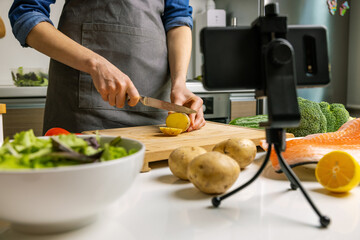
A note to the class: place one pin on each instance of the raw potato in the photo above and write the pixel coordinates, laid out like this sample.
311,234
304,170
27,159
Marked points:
180,158
241,149
178,120
171,131
213,172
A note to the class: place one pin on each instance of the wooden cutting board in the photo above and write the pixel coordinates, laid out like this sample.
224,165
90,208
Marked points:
159,146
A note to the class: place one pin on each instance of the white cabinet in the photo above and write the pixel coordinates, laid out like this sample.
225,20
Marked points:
242,105
23,114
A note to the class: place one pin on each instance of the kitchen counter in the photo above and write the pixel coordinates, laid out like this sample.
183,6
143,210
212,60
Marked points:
197,87
12,91
160,206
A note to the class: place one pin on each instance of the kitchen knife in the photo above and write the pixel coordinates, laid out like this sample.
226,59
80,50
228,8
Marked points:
156,103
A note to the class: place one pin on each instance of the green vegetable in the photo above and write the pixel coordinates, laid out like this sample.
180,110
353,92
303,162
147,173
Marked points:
251,122
340,113
330,118
315,118
27,151
114,150
77,144
29,79
312,119
111,152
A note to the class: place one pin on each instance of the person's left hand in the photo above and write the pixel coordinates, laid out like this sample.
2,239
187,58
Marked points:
181,95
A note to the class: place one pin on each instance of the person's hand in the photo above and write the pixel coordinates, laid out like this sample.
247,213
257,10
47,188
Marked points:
113,85
182,96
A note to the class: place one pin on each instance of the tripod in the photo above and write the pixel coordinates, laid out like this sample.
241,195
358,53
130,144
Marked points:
276,137
279,85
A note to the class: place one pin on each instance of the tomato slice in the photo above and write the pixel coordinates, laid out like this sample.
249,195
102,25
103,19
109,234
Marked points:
56,131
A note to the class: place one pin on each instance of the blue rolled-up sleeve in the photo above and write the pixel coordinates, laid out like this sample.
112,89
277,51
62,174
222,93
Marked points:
177,13
24,15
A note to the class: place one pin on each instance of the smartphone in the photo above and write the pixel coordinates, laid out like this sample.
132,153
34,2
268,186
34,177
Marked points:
232,57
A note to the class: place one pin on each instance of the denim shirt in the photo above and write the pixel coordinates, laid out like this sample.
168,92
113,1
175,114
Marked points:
26,14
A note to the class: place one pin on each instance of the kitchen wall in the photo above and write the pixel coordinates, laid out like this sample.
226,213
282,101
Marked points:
353,96
12,55
198,7
316,12
244,10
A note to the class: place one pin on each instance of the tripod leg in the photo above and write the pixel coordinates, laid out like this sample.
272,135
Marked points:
295,182
293,186
217,200
324,220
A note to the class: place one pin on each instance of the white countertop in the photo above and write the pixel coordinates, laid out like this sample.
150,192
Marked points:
12,91
159,206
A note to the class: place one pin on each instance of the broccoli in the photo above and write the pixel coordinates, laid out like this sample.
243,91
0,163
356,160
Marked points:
329,115
313,115
312,119
340,113
315,118
336,115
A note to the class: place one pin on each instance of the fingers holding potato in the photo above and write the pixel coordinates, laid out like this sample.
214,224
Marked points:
241,149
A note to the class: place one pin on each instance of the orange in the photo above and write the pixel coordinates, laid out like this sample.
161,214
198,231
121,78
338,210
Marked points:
338,171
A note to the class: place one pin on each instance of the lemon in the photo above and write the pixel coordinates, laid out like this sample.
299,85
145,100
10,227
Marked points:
338,171
171,131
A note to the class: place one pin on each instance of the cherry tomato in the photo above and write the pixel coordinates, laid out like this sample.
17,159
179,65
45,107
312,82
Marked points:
56,131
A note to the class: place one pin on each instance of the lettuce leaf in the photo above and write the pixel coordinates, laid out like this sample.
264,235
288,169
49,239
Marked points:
27,151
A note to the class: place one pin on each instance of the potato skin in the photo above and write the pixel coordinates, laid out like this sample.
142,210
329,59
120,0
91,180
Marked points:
213,172
180,158
241,149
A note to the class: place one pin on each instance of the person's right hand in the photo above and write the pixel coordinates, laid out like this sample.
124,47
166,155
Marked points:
113,85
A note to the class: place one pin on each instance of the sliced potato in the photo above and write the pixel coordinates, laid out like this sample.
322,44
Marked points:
171,131
180,158
178,120
213,172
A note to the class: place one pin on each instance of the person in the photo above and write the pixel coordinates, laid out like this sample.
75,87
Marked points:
105,52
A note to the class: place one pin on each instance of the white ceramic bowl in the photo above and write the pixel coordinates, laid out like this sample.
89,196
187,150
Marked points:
64,198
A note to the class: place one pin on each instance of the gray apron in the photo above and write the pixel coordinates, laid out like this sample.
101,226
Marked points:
128,33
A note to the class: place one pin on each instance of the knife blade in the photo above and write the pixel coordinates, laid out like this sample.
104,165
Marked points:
156,103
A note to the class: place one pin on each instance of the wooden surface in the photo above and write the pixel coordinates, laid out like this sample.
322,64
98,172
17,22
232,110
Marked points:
242,109
23,119
159,146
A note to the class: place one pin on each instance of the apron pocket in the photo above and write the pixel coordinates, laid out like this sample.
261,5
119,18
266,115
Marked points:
139,53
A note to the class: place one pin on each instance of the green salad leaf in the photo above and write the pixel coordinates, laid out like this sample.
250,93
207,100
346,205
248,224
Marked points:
27,151
22,79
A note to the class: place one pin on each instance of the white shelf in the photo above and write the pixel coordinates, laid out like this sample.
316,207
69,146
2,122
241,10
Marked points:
21,92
